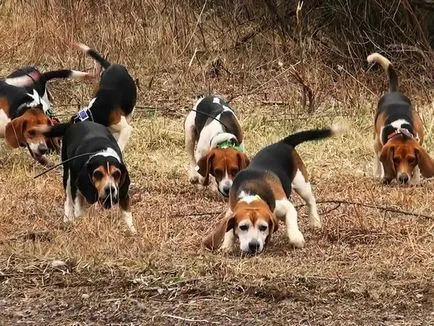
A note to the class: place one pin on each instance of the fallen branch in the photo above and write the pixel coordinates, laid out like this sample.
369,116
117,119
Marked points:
338,204
188,320
383,208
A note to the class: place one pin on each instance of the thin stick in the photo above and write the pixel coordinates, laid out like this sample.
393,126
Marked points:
188,319
383,208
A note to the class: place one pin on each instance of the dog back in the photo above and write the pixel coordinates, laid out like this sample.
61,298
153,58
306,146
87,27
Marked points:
211,107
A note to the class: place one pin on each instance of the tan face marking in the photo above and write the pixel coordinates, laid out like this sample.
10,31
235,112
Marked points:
253,224
223,164
106,179
399,158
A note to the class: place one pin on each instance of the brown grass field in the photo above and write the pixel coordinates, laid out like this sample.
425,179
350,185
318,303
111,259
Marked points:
367,266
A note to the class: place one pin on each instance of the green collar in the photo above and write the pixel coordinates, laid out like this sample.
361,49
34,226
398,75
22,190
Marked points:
230,143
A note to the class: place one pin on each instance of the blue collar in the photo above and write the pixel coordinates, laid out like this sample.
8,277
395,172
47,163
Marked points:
83,115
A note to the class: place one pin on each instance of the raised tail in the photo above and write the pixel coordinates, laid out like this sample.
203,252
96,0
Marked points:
388,69
92,53
66,73
313,134
57,130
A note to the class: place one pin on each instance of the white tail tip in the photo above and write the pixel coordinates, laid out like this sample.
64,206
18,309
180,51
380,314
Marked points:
80,46
338,129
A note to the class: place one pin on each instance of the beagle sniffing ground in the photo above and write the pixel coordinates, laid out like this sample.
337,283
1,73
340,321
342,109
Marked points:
114,100
214,128
260,196
24,104
398,134
94,170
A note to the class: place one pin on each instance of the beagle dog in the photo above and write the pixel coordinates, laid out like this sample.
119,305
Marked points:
214,128
93,169
398,134
24,104
260,195
114,100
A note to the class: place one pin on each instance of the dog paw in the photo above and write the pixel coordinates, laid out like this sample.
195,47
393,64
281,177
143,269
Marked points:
315,222
68,218
296,239
195,178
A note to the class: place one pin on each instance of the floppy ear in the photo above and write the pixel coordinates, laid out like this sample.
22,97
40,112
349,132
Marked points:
212,241
273,225
85,185
386,158
426,164
205,165
243,161
14,132
124,183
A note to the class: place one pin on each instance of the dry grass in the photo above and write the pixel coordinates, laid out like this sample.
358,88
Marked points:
365,267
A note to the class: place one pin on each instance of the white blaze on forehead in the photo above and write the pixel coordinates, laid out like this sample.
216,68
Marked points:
252,234
248,198
109,152
216,100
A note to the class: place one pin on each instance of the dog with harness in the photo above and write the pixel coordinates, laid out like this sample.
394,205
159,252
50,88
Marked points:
25,104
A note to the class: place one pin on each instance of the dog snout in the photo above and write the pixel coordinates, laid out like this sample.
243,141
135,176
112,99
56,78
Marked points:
403,178
42,149
254,247
226,189
110,191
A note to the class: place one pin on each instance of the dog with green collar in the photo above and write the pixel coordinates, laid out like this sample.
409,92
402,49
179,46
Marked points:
214,142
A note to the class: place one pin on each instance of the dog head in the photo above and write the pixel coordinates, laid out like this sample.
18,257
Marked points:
108,178
223,165
25,131
252,222
401,155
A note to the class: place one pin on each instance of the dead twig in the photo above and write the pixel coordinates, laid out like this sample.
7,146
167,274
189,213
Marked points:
383,208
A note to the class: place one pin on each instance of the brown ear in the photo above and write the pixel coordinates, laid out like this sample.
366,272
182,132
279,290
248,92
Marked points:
426,164
14,132
213,239
386,158
243,161
273,225
205,165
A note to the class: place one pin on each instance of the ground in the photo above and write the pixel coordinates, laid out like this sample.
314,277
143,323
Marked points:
367,266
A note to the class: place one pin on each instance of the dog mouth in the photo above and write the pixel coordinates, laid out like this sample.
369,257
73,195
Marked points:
226,195
108,201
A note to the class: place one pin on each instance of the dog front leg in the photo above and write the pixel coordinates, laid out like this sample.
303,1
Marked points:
124,205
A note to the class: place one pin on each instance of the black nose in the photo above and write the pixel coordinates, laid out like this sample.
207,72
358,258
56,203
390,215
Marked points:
403,178
254,246
42,149
226,190
110,190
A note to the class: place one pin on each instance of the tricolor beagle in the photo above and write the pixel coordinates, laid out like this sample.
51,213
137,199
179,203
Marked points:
398,134
24,104
260,194
114,100
94,170
212,124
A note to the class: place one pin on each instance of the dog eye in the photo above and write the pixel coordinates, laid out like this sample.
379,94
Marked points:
32,133
244,227
97,174
218,173
234,172
411,160
116,175
262,228
396,160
